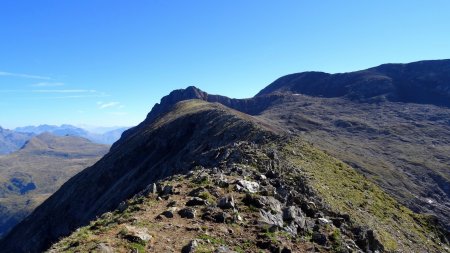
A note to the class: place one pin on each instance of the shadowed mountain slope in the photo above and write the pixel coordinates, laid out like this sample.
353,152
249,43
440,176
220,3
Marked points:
172,143
39,168
425,82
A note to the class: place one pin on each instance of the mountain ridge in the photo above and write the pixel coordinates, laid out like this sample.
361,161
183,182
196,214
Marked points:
107,137
427,183
411,82
107,195
191,128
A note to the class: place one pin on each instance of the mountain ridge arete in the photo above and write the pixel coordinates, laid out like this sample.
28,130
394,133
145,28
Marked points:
271,140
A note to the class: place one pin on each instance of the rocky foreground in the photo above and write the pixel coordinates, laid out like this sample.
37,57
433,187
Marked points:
259,198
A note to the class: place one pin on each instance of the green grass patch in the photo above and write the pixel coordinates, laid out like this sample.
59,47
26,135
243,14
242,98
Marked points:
347,191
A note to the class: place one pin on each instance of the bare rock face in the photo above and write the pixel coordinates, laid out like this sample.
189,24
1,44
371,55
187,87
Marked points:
270,219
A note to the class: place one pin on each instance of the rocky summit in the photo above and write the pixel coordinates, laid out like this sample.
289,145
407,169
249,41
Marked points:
353,162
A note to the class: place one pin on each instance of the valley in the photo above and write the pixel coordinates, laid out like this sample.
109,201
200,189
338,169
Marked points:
33,173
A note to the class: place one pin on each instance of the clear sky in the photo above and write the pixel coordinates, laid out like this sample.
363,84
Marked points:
106,62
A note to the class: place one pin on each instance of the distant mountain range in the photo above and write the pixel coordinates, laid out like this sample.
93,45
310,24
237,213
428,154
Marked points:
350,162
108,137
31,174
12,140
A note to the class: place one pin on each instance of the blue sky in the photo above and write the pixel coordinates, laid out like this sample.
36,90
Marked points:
105,62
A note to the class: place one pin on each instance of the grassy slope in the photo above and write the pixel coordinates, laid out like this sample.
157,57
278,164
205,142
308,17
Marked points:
404,148
347,191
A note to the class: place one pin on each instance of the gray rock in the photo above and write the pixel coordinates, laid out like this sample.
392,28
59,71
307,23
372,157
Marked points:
319,238
196,192
248,186
191,247
167,190
338,221
153,189
221,217
309,225
261,177
267,218
272,174
169,213
367,240
224,249
272,154
189,174
104,248
294,214
122,206
188,213
291,228
150,189
226,202
289,213
271,203
251,200
196,201
282,193
223,183
134,234
323,221
310,209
